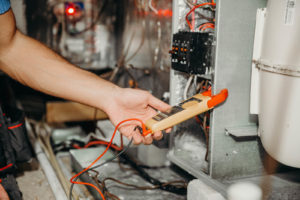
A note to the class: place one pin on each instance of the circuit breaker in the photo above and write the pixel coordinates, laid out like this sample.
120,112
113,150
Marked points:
192,52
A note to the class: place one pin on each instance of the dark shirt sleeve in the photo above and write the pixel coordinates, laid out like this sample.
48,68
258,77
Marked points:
4,6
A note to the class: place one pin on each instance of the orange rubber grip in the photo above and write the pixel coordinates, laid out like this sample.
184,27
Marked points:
217,99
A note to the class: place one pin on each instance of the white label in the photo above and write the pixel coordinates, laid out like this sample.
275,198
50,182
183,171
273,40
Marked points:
290,12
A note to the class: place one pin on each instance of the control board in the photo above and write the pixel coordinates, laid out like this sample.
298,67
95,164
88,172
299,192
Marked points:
192,52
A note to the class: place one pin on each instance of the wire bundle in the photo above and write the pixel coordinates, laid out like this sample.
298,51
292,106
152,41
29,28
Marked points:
74,178
203,26
172,186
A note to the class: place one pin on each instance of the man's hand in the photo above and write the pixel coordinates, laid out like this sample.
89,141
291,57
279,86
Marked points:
3,194
134,103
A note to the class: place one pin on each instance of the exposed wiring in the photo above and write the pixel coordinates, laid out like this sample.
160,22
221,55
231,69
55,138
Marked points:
154,187
141,43
206,25
204,85
194,3
187,87
195,80
193,9
128,48
189,3
152,8
205,130
108,146
102,185
199,87
181,190
139,5
124,58
98,142
157,49
140,165
206,136
100,165
103,188
193,20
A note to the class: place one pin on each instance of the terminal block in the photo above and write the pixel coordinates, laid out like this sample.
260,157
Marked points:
192,52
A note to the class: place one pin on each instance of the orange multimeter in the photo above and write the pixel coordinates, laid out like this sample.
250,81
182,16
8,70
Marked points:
189,108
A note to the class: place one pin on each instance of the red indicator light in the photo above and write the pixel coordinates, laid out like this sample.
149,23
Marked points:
70,11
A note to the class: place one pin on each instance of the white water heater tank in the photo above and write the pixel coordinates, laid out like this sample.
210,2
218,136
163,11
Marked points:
279,96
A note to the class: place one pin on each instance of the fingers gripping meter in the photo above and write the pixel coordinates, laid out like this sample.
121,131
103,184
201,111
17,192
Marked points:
193,106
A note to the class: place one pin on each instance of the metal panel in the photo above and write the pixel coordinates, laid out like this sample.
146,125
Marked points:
187,143
234,36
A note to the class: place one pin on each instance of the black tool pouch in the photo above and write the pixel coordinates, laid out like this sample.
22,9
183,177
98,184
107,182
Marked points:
7,158
15,120
12,150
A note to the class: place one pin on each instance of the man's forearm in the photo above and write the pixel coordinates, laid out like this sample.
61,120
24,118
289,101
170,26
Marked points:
34,65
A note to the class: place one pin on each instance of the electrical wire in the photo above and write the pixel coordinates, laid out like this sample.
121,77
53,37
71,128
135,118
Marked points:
139,5
123,60
180,190
155,187
141,43
199,87
126,60
100,165
98,142
193,21
187,87
103,188
108,146
193,9
204,85
204,26
101,142
157,49
152,8
191,4
205,130
207,27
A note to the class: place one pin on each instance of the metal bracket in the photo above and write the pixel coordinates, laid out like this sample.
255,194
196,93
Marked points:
244,131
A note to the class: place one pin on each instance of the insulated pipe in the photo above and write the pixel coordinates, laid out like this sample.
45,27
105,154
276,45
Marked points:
53,181
281,41
279,96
